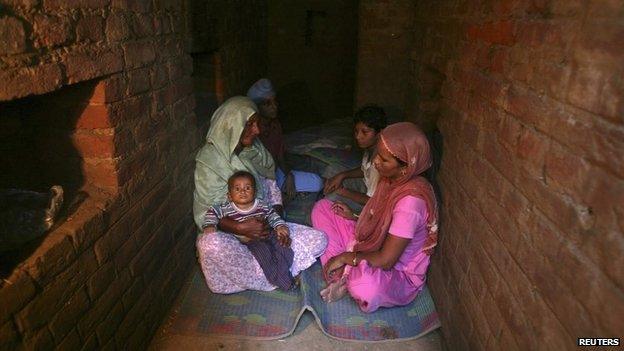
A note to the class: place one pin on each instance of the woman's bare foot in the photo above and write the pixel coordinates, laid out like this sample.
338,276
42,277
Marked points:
335,291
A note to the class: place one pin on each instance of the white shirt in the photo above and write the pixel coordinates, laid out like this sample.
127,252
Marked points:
371,176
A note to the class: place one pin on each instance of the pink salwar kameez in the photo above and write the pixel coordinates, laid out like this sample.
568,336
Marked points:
373,287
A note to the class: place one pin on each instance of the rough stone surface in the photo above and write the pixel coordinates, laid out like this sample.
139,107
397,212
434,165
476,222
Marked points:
531,234
12,36
89,81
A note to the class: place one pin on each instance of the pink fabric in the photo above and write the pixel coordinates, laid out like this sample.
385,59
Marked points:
408,143
373,287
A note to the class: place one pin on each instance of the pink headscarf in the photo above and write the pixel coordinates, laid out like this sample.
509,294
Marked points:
408,143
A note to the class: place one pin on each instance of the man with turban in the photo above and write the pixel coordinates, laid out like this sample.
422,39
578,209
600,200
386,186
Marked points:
291,181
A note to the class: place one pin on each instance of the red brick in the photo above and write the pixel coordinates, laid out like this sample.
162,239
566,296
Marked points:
492,89
515,317
139,337
40,340
138,53
8,336
108,326
138,81
101,173
15,292
100,280
530,108
53,297
509,131
133,317
595,87
133,6
52,257
81,66
470,134
125,145
499,157
482,329
158,24
87,225
500,32
101,307
170,48
13,36
532,148
187,64
572,265
94,145
117,28
51,30
143,133
603,35
499,60
604,192
67,317
580,131
107,90
71,342
94,116
568,216
52,5
175,69
560,172
552,78
110,346
26,4
547,285
130,110
107,245
144,256
133,293
565,169
505,341
90,28
541,33
142,25
159,76
21,82
125,253
91,343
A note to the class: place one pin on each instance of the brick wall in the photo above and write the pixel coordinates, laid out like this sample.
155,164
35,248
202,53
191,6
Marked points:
229,49
312,50
105,276
383,65
530,104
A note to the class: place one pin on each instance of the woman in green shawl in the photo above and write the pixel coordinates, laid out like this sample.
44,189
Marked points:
232,145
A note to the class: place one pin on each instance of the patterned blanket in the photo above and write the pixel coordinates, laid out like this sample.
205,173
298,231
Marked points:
275,314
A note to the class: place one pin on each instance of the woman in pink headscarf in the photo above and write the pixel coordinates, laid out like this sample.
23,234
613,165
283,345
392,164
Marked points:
380,257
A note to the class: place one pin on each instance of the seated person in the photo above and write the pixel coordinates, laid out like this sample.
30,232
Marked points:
368,122
232,145
381,258
291,181
274,253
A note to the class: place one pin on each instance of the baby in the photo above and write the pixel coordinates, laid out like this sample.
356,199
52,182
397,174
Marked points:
274,253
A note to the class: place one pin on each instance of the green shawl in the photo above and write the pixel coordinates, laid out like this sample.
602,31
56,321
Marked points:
216,161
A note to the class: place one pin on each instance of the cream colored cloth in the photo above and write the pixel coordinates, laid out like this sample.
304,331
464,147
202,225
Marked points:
371,176
216,161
